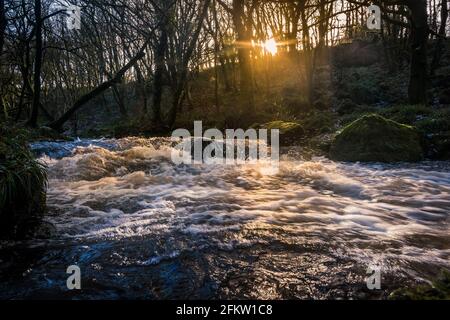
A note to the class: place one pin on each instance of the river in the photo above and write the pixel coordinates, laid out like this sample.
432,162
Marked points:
139,226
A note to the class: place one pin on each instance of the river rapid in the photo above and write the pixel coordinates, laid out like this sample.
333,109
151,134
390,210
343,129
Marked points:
141,227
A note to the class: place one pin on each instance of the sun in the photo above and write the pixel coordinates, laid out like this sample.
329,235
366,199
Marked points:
270,46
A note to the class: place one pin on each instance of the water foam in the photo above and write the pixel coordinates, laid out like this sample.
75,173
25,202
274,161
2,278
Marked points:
134,190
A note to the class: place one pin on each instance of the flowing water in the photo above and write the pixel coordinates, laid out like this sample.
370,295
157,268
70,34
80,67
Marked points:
139,226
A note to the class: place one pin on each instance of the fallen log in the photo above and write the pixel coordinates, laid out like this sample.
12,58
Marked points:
57,124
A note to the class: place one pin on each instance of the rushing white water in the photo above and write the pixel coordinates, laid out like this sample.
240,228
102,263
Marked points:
136,190
128,190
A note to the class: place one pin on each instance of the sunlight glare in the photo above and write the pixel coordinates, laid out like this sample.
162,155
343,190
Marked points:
270,46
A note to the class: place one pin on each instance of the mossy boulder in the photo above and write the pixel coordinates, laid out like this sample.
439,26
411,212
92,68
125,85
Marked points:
290,132
23,183
374,138
438,290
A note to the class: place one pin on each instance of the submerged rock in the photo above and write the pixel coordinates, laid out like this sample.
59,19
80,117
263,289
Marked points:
374,138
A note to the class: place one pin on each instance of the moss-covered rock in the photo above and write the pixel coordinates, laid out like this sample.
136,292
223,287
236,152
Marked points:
374,138
290,132
438,290
22,185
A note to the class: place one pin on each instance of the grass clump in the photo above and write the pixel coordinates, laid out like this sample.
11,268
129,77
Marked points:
23,182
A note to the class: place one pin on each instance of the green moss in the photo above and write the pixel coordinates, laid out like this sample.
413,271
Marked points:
438,290
283,126
22,184
290,132
374,138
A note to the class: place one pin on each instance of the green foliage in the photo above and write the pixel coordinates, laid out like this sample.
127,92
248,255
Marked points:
434,124
360,85
318,122
407,114
437,122
347,106
438,290
293,102
362,92
23,183
374,138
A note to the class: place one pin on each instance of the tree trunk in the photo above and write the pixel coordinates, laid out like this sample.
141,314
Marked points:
244,48
141,88
37,66
118,96
160,68
308,60
2,25
2,35
181,83
417,91
440,41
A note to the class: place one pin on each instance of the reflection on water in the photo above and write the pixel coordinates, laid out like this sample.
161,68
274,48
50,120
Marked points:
141,227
